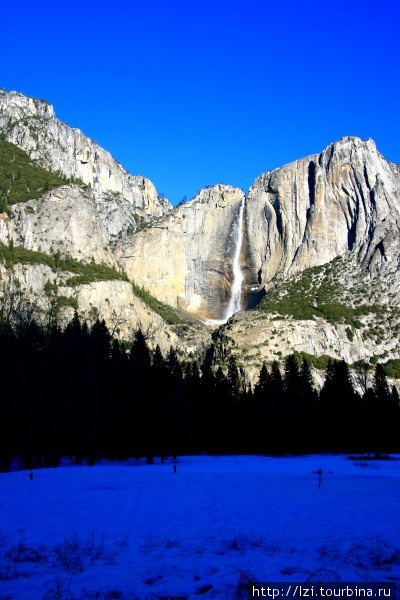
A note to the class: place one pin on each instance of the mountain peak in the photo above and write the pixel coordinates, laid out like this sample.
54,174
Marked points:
26,105
353,141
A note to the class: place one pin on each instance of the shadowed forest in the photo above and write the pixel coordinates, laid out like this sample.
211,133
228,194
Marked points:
77,392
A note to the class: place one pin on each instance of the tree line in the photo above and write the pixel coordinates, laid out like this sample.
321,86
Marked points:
77,392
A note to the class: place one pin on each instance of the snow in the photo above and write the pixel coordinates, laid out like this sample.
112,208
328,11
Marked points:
141,531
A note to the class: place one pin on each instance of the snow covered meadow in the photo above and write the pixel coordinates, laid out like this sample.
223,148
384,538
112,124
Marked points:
130,530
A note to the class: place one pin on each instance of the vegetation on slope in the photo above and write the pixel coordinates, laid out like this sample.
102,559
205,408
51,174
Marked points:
316,292
166,312
318,362
21,179
392,368
82,272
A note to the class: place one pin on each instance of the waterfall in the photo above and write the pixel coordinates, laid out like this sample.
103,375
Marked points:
236,287
237,280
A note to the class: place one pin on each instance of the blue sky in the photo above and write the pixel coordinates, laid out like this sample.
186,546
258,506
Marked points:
192,93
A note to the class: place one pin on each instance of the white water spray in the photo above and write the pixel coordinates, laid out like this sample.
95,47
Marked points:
236,288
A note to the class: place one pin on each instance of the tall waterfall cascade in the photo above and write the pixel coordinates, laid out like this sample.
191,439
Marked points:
236,287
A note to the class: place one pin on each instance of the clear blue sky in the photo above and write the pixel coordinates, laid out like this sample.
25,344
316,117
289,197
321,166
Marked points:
195,92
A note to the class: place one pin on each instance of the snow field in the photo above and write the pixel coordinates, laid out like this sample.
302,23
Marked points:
130,530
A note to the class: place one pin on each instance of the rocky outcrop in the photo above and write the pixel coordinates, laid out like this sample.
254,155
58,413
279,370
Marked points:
186,259
123,201
345,199
343,202
65,220
254,338
113,301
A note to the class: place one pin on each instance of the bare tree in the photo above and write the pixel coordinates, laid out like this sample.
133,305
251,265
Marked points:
16,308
361,373
115,321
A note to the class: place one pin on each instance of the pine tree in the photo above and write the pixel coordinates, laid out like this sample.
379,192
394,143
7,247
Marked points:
310,440
173,365
219,419
395,397
381,387
385,414
264,383
340,407
158,362
276,380
344,385
100,339
74,329
291,380
207,375
140,408
308,393
234,380
140,353
195,405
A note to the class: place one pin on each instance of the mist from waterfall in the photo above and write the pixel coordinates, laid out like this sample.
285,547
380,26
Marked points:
236,288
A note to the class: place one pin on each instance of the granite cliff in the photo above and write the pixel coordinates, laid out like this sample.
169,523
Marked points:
123,201
345,199
319,245
186,258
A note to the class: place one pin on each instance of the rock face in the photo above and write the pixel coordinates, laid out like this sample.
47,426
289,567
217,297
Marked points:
356,317
186,259
113,301
82,220
123,201
345,199
65,220
344,202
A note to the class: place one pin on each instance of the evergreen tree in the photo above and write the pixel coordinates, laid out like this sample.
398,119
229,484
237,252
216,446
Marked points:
140,408
234,380
344,385
195,408
310,414
207,375
158,362
74,329
292,379
173,365
384,415
140,353
395,397
264,383
261,413
100,339
276,380
381,387
208,392
78,393
308,392
340,408
220,418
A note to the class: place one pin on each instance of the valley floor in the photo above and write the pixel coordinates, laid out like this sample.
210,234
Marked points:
130,530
